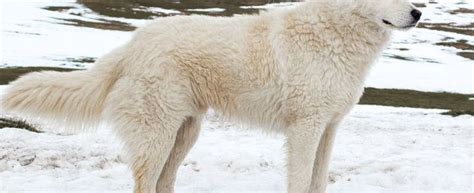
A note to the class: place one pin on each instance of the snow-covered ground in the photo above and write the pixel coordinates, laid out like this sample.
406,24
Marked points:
378,149
34,36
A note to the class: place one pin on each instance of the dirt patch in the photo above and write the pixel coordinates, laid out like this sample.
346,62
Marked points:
140,10
420,5
468,55
82,60
468,49
58,8
460,44
143,9
398,57
461,11
457,103
133,9
124,10
458,113
9,74
136,10
449,27
79,62
105,24
14,122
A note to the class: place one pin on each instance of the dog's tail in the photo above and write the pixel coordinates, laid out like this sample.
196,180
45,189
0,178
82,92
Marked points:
74,99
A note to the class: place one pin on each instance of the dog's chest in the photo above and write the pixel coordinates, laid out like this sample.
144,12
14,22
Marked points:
327,89
329,80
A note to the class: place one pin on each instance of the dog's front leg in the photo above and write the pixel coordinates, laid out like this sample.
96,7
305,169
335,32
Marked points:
303,139
323,155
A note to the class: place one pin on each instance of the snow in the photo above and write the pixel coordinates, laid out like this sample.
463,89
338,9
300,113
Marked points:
161,10
207,10
30,36
282,5
378,149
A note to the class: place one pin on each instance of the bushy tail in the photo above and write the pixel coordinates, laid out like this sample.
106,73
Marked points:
73,98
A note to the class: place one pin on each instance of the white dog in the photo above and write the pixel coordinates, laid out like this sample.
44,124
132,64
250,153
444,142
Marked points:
297,71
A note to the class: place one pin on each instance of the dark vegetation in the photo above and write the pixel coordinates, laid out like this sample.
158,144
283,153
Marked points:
173,4
12,122
136,9
459,44
420,5
105,24
419,59
469,55
461,10
457,104
81,60
10,74
467,49
133,9
449,27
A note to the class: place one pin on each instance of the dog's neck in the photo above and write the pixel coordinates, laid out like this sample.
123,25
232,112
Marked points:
339,37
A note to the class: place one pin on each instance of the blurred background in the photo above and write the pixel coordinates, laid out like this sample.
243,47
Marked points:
412,131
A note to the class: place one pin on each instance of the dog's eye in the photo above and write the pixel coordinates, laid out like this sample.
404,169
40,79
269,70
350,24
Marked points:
386,22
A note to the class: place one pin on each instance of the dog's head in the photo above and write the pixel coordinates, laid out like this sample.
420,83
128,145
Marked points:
395,14
391,14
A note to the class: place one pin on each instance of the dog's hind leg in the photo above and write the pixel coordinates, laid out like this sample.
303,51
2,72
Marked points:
148,141
185,139
147,113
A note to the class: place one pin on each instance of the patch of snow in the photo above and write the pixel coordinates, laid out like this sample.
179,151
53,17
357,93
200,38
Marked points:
162,10
31,36
439,12
207,10
272,5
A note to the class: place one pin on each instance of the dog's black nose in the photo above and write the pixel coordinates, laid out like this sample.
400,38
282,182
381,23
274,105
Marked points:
416,14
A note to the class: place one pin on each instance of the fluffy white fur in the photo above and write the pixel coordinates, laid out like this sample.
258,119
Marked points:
296,71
